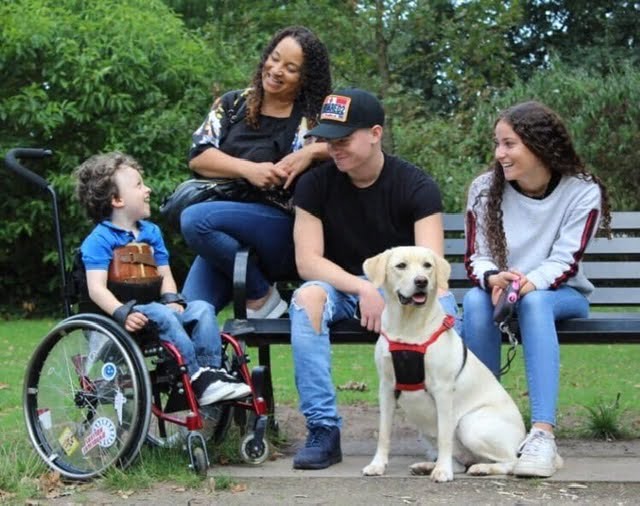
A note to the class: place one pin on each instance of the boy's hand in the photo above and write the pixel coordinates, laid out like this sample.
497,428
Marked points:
175,307
135,321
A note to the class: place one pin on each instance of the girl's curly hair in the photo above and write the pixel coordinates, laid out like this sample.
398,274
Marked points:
315,75
543,132
96,186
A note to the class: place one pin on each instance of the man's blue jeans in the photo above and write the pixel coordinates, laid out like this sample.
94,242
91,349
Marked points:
312,353
217,230
537,312
203,348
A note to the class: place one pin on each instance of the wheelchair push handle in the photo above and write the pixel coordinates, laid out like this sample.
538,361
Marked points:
11,162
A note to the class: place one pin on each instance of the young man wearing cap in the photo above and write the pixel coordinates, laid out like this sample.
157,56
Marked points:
348,209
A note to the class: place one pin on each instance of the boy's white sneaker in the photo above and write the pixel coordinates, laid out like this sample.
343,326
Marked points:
538,455
209,386
239,389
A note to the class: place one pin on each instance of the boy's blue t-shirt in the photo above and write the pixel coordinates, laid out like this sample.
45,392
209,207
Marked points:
97,248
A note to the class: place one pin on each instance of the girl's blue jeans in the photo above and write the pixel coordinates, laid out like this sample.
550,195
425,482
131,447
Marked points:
537,313
217,230
312,353
203,348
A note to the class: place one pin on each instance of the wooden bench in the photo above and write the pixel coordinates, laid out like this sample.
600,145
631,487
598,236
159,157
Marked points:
612,265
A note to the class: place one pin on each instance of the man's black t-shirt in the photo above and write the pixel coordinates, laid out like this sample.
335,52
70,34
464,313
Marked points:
361,222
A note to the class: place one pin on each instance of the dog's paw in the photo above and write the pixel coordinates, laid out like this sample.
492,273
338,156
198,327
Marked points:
480,470
441,474
422,468
374,469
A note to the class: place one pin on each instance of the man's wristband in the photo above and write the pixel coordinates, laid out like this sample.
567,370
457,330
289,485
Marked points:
171,298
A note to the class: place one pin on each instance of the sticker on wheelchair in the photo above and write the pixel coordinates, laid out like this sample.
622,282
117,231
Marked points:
103,433
68,441
118,401
44,415
109,371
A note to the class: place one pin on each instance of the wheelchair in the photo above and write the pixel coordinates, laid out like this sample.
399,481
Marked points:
94,394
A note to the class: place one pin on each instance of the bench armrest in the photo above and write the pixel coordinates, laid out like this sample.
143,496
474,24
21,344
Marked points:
240,264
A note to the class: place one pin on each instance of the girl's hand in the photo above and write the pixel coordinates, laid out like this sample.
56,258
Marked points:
499,282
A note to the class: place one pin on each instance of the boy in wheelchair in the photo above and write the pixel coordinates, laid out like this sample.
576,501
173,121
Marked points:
124,253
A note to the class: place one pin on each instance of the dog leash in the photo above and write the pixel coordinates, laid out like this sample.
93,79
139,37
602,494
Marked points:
503,317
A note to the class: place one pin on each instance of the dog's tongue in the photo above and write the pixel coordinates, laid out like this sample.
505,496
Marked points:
419,298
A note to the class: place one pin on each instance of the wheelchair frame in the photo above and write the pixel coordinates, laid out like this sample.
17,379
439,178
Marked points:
91,388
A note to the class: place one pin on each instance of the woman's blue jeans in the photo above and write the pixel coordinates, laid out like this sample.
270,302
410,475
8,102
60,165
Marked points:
537,313
217,230
312,353
203,348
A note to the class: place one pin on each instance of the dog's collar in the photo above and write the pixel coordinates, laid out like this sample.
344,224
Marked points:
447,324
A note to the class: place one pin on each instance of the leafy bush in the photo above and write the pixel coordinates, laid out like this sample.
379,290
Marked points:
81,78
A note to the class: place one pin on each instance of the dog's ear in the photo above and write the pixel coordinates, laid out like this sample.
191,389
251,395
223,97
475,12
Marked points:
443,272
375,268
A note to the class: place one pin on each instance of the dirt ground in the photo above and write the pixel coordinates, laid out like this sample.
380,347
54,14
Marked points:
358,434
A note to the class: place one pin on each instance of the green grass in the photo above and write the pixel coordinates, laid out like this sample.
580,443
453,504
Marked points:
592,376
589,376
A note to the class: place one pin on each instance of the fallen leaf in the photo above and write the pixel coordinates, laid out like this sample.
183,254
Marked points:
239,487
358,386
50,483
577,485
5,496
2,387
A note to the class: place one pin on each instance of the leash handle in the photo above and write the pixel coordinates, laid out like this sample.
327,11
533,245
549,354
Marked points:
507,302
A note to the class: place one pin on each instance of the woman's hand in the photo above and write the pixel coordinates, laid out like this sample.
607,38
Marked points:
265,175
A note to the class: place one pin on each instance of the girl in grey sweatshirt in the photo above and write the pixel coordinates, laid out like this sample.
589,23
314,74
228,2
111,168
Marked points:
529,219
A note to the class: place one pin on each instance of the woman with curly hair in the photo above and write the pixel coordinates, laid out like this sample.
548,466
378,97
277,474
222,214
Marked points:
530,218
257,134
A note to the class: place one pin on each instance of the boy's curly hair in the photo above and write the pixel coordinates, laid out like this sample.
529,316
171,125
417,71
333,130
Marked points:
543,132
315,75
96,187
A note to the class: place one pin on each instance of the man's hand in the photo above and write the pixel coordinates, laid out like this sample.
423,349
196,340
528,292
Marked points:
371,306
294,164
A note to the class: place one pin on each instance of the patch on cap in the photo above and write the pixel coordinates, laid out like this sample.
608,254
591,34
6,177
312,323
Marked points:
335,108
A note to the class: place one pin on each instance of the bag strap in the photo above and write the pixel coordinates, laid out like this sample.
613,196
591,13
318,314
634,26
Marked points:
293,124
234,112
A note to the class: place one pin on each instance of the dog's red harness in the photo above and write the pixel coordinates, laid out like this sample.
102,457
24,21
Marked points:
408,359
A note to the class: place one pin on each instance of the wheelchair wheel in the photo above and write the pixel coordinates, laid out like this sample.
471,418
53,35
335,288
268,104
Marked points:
254,451
87,397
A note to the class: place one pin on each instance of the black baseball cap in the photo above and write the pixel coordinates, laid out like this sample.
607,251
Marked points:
347,110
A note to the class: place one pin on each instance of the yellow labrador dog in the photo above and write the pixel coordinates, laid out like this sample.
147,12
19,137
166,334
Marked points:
459,402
